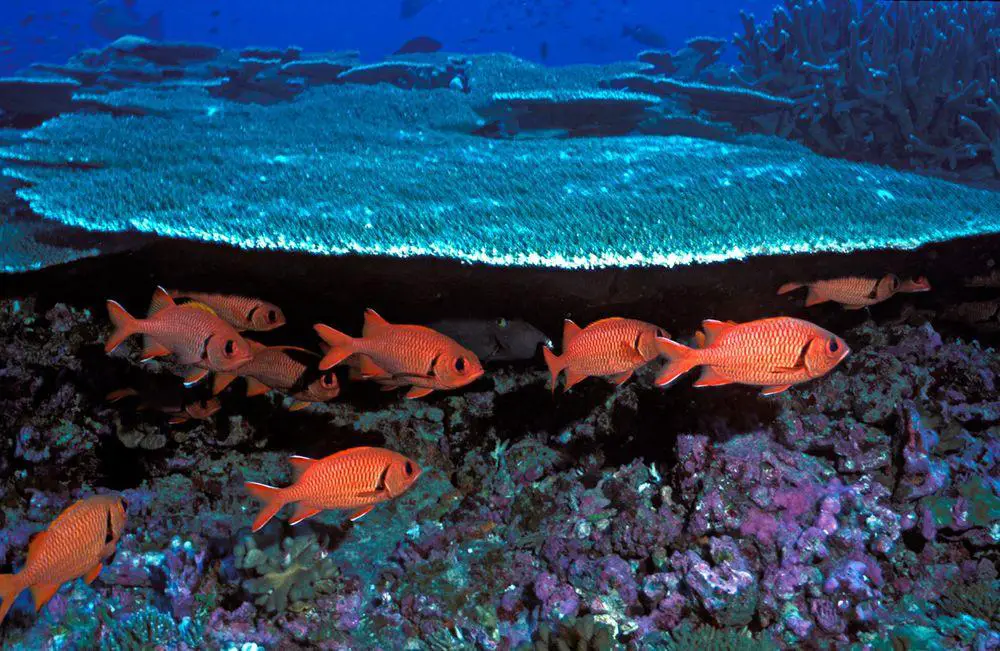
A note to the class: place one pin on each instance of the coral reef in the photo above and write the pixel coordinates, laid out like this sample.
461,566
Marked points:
293,179
908,84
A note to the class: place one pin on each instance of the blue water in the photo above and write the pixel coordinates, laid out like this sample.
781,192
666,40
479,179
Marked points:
575,31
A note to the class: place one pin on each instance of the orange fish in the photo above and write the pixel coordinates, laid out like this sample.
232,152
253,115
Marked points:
773,353
287,369
913,285
613,348
241,312
180,412
76,544
356,479
402,355
853,293
192,332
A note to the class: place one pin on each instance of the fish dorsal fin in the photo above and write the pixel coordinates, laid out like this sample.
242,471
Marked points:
161,300
198,305
373,323
35,544
570,330
715,329
299,465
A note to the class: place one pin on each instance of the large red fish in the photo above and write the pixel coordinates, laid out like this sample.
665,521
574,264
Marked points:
355,479
241,312
772,353
192,333
286,369
402,355
76,544
853,292
613,348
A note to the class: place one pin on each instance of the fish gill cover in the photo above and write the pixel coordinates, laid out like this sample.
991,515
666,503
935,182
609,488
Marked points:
316,153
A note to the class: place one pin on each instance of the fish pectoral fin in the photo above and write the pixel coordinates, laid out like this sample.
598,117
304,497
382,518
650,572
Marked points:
92,573
800,361
711,378
298,404
152,348
194,375
418,392
303,512
360,513
256,388
778,388
573,377
42,592
621,378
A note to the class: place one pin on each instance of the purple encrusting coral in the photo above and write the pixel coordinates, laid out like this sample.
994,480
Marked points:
865,510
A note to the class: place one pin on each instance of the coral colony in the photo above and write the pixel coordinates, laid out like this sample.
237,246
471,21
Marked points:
729,410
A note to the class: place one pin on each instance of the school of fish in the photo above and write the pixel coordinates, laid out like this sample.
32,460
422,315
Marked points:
202,333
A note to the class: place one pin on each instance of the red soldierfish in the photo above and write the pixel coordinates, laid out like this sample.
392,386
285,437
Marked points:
76,544
241,312
286,369
773,353
853,292
180,411
192,332
355,479
613,348
913,285
402,355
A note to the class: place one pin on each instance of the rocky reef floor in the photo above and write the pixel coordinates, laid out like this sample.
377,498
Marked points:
859,510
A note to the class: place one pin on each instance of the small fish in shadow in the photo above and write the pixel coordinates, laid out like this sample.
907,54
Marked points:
419,45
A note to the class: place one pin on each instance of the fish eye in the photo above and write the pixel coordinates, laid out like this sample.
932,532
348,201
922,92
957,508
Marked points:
833,346
272,316
460,364
230,348
408,468
328,379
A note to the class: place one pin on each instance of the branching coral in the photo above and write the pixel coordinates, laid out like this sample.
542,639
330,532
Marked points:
911,84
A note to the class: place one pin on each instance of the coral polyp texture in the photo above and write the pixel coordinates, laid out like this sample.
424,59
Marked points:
217,151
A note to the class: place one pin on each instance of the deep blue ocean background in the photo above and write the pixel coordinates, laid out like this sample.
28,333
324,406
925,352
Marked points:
558,31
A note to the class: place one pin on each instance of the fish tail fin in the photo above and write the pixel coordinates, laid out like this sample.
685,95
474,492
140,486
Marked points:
10,587
555,364
682,359
125,325
341,346
271,500
789,287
